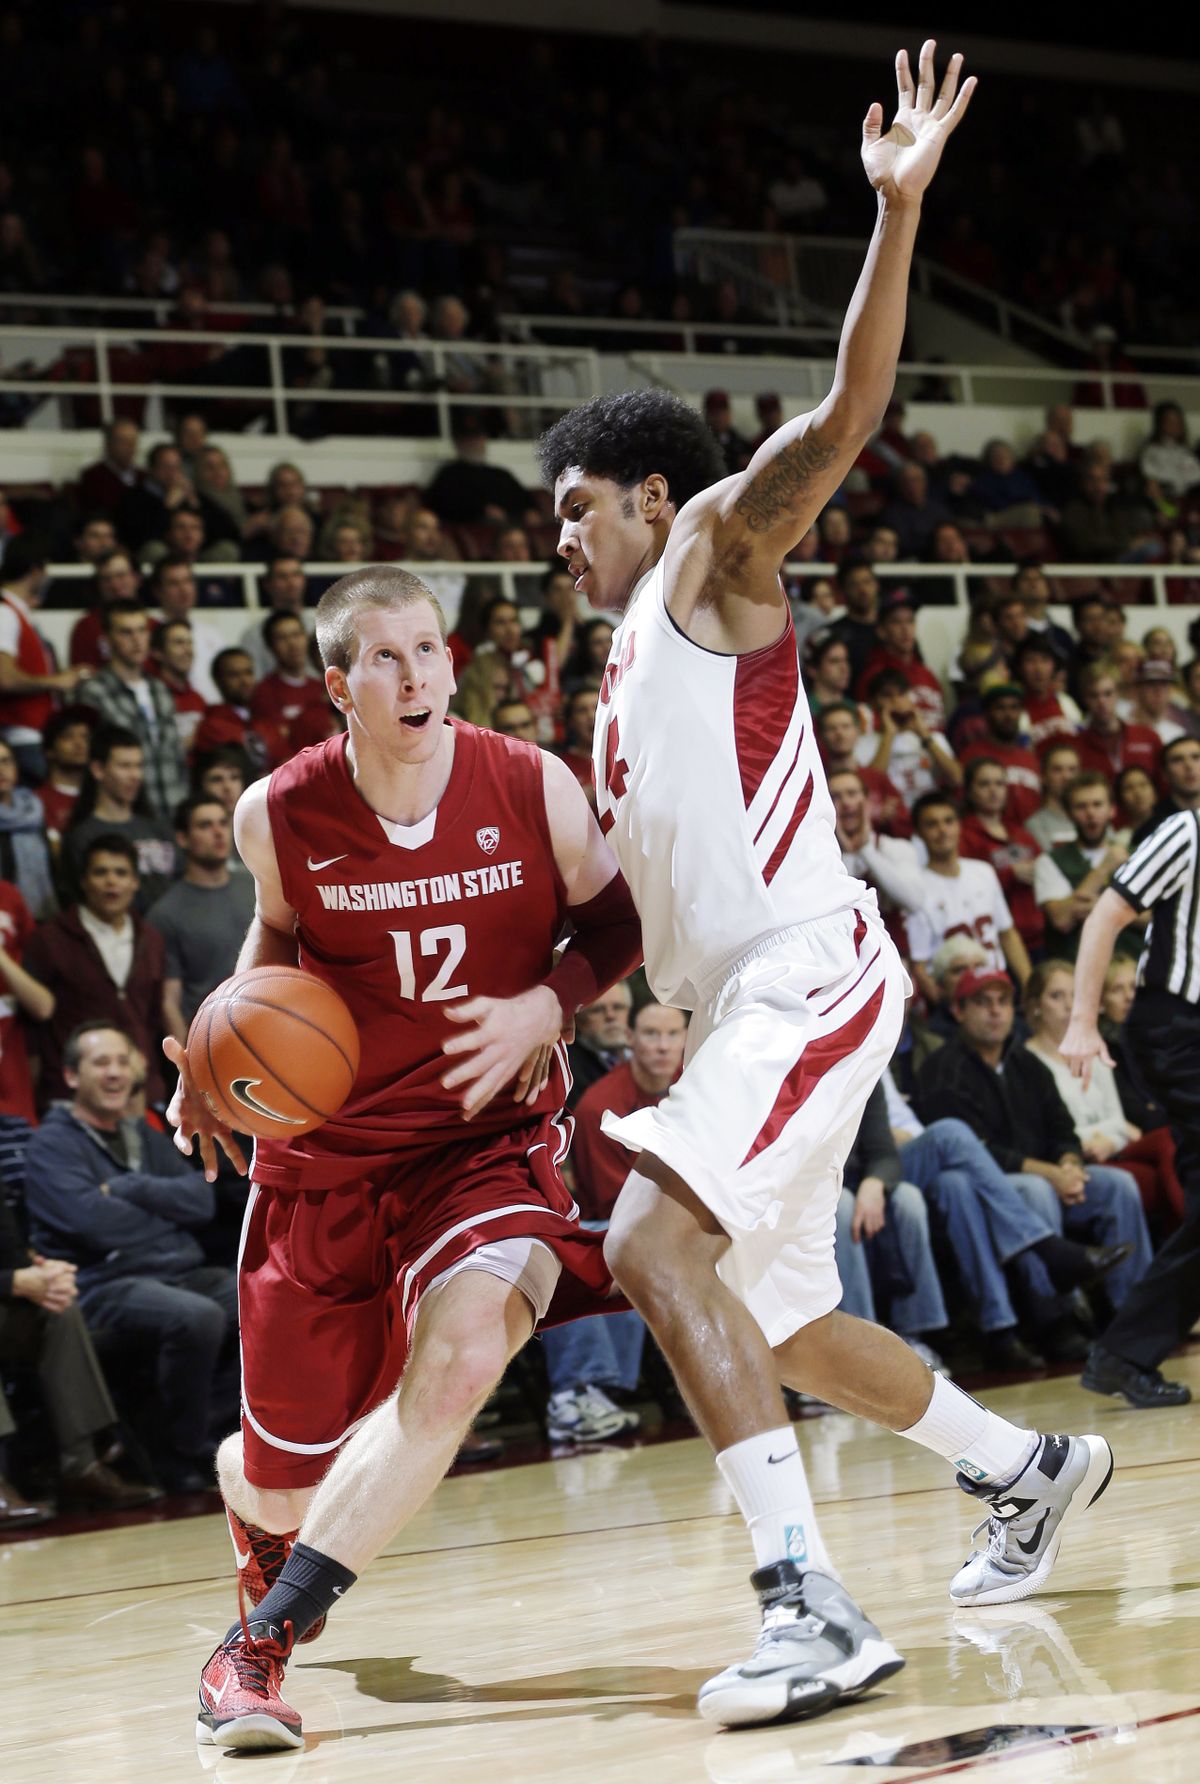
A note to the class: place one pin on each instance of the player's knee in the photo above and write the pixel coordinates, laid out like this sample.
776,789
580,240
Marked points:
451,1376
627,1255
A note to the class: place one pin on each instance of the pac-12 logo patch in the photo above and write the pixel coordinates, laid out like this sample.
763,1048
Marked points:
488,838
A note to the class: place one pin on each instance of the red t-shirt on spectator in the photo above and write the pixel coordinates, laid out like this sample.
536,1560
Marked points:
926,688
977,844
1133,746
279,706
1048,723
885,803
16,1085
601,1165
1023,771
226,724
88,643
58,803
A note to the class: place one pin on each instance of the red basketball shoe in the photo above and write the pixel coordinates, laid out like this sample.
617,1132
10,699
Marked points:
260,1558
240,1705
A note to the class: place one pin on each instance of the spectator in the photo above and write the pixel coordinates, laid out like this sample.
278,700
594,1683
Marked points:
28,678
1106,1133
1093,616
113,800
512,545
345,539
99,959
116,1199
859,587
914,758
281,590
839,731
1070,877
515,718
588,1359
147,506
768,409
882,1243
1049,715
888,863
958,954
827,675
41,1326
1007,1096
1096,527
124,695
1002,710
467,490
579,725
987,835
22,996
67,743
913,512
1107,743
1033,586
224,774
735,448
191,437
104,485
218,492
816,605
1136,799
291,533
290,705
1120,982
1153,700
173,586
1051,821
231,721
601,1039
589,654
24,851
897,649
1169,467
960,897
188,536
415,536
286,488
1007,494
116,579
203,918
501,622
483,688
175,653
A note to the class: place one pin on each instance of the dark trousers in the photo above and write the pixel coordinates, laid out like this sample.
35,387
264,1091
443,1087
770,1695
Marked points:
183,1324
71,1379
1161,1309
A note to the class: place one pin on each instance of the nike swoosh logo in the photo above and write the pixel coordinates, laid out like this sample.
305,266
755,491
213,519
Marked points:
316,866
771,1459
240,1088
216,1696
242,1560
1030,1547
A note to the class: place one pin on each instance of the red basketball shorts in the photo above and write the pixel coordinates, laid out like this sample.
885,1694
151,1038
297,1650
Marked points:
329,1283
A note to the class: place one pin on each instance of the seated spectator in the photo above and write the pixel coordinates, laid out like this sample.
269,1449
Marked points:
839,732
124,695
1051,822
345,538
218,491
601,1039
1006,493
579,725
1096,527
1049,715
1033,586
816,605
1181,771
590,1356
173,587
1154,697
512,545
204,916
1007,1097
95,538
291,533
1106,1132
883,1246
1136,799
467,490
28,678
960,897
947,546
987,835
117,1200
515,718
187,536
834,533
501,623
24,851
147,506
1125,661
174,651
1169,466
1094,618
42,1327
827,674
286,488
589,654
224,774
1011,623
897,649
191,437
282,590
915,759
1002,704
888,863
99,959
117,578
1106,743
104,485
67,743
1070,876
859,589
735,448
290,706
231,721
112,801
913,512
483,687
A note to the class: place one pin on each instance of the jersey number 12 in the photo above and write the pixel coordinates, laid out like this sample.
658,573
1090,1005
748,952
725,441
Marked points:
452,937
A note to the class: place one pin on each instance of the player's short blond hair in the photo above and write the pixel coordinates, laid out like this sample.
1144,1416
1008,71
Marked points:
376,585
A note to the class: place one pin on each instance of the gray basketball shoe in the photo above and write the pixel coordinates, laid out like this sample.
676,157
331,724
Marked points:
815,1649
1024,1528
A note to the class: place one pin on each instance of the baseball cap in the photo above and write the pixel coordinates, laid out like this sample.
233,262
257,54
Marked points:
977,979
897,598
1155,670
1001,690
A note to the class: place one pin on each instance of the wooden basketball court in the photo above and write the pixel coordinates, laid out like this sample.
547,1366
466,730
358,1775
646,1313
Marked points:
554,1622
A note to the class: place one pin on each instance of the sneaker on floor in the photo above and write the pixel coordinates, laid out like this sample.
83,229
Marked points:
815,1649
586,1415
241,1708
260,1558
1066,1475
1105,1373
928,1356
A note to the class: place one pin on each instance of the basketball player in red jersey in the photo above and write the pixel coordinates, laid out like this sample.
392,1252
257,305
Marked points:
426,869
711,790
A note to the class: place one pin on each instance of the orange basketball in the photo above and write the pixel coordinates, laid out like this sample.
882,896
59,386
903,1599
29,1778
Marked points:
274,1051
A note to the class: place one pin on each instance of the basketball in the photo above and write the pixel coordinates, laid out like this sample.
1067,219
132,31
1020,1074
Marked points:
274,1051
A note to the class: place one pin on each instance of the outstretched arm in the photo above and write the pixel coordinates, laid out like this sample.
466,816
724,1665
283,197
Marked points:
1082,1042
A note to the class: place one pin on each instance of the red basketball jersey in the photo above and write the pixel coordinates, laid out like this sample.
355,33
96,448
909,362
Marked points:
403,921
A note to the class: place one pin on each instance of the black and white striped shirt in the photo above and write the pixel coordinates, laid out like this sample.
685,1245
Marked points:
1164,873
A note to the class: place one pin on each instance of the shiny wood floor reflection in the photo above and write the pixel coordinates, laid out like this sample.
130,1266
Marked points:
554,1622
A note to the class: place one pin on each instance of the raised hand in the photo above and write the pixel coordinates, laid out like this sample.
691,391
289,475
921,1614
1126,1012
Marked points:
901,162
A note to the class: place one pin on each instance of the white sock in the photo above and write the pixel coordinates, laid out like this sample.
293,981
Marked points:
983,1446
766,1476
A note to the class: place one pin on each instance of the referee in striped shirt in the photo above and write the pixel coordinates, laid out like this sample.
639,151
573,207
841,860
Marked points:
1161,876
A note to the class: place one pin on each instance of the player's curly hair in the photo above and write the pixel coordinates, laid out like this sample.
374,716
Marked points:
630,436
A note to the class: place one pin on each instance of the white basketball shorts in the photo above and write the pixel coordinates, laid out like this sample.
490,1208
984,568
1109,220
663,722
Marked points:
780,1061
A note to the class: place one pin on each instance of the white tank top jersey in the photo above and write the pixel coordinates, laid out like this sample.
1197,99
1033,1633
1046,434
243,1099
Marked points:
711,791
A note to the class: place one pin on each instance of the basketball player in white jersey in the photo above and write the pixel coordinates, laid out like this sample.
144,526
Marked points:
711,791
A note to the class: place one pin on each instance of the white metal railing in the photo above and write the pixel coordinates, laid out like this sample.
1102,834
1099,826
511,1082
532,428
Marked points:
519,582
690,335
160,310
542,378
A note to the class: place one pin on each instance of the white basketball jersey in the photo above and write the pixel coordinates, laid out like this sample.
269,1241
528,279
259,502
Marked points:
711,791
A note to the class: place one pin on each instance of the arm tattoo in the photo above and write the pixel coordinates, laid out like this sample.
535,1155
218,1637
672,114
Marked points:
772,494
